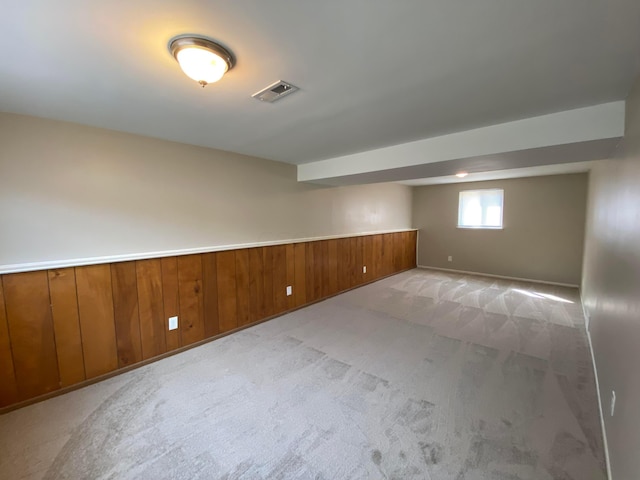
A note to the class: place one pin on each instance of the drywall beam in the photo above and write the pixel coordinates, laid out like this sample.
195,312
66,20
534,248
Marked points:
589,124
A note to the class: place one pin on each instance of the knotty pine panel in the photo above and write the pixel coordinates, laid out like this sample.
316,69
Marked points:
407,250
267,276
311,264
171,301
353,262
210,293
300,269
324,270
291,274
401,251
227,306
279,259
359,278
256,284
242,286
97,324
317,269
332,265
153,324
376,263
412,242
66,325
387,254
398,251
8,385
344,275
367,258
31,331
125,310
191,318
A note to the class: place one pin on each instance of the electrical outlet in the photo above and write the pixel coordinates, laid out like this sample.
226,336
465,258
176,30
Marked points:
173,323
364,269
289,290
613,402
450,259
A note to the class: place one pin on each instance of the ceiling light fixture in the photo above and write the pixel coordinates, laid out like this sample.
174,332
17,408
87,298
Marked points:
201,59
461,174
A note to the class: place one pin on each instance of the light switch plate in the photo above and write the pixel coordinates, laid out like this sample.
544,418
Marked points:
289,290
364,269
173,323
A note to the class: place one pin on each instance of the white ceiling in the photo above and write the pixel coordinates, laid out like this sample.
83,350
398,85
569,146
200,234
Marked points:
372,73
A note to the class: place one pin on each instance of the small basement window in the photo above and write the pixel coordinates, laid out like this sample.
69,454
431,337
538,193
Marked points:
480,208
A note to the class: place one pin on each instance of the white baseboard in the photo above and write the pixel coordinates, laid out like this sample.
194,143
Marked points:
595,374
480,274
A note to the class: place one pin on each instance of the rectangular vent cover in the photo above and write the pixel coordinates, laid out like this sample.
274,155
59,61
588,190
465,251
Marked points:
275,91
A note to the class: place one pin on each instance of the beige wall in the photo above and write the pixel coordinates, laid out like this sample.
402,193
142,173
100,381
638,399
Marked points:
69,191
611,290
542,237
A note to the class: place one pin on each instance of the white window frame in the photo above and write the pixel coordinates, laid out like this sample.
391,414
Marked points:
481,227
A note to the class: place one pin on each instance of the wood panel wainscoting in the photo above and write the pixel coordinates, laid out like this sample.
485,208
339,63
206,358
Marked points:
67,327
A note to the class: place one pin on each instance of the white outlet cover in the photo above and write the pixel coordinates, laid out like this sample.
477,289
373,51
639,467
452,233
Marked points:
364,269
613,402
450,258
289,290
173,323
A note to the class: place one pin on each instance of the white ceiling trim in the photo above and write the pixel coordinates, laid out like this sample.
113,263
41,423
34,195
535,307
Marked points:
604,121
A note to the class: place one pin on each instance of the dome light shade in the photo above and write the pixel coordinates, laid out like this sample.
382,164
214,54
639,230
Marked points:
201,59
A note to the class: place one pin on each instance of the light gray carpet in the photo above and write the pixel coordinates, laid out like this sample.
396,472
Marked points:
424,375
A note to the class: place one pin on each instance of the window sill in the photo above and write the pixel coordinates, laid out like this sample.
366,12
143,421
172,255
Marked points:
479,228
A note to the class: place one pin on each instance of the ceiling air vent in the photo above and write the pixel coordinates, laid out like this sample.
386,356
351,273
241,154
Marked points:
275,91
